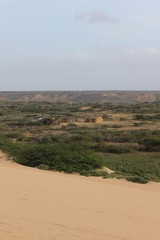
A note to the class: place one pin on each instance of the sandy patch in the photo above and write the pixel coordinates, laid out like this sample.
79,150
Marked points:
37,204
106,169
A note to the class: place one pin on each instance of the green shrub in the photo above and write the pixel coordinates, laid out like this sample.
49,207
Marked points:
94,173
116,126
123,119
138,124
147,117
138,179
150,144
58,156
112,149
43,167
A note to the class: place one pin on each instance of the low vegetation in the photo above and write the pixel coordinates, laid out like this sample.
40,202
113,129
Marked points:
128,141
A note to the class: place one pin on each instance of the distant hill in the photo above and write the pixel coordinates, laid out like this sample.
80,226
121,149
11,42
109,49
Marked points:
82,96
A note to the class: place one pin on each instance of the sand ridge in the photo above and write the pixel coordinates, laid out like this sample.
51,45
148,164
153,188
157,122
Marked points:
46,205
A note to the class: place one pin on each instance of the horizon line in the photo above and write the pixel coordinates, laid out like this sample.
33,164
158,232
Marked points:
91,90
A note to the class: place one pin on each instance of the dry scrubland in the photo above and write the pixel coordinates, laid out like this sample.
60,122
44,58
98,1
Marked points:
127,142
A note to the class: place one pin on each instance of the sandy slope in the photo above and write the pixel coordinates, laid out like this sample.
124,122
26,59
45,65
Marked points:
38,205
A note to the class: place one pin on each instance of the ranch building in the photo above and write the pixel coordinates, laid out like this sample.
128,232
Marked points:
94,119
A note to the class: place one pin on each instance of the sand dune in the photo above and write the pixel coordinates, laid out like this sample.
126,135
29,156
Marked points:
38,205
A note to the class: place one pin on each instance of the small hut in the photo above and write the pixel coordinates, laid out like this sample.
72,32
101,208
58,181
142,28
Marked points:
94,119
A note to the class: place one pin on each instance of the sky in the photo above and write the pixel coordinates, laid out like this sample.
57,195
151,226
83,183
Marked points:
79,45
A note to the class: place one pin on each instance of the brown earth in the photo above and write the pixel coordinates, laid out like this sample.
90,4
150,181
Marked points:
83,96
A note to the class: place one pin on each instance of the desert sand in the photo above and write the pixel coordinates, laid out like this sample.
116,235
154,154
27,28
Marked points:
37,204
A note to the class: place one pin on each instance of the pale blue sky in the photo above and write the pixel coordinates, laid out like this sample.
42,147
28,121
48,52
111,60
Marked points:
80,44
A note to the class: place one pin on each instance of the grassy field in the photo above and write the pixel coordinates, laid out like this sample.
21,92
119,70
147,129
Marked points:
128,140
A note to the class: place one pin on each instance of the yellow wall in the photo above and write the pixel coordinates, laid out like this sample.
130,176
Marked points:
99,119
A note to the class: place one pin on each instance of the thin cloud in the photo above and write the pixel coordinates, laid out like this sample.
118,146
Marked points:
77,57
96,16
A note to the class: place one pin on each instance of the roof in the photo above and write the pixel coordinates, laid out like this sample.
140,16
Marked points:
93,117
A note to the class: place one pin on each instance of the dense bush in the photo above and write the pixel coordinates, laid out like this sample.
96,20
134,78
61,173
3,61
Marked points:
94,173
150,144
58,156
147,117
138,179
112,149
61,157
